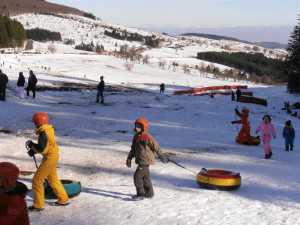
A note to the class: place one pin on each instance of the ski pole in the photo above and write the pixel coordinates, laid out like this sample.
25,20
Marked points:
35,162
183,167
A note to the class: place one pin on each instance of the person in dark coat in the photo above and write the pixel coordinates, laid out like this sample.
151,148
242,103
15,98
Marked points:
238,94
162,88
100,89
144,148
232,96
3,84
21,84
32,81
13,208
289,136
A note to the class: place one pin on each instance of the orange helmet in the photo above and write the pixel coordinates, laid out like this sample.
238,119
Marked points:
245,111
143,122
9,174
40,118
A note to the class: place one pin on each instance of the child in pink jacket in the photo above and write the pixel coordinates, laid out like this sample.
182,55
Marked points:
267,130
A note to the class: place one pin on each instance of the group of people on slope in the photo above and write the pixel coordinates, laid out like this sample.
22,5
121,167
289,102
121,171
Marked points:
13,209
31,85
267,131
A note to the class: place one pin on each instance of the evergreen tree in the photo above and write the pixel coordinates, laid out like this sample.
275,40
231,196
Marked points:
12,33
293,60
3,35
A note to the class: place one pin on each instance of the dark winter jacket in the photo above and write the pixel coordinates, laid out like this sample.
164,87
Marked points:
288,132
101,86
13,209
143,149
21,81
3,80
238,93
32,81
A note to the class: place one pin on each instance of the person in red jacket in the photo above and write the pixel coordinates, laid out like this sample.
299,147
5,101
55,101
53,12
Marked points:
244,134
244,137
13,209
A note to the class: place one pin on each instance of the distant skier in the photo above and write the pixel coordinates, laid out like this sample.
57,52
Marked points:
289,135
268,130
13,209
144,148
100,89
3,85
162,88
48,147
32,81
238,94
20,85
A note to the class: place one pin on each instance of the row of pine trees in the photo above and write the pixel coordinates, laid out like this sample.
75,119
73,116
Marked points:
12,33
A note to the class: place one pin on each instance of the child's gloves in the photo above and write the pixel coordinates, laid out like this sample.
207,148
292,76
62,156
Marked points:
164,159
31,153
128,163
29,144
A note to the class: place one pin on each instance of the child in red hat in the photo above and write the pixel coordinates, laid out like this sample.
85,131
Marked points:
13,209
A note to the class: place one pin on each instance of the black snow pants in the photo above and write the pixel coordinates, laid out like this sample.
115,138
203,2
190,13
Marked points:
100,94
143,182
33,89
2,93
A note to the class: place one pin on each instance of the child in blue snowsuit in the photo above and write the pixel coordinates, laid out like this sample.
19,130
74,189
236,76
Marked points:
289,136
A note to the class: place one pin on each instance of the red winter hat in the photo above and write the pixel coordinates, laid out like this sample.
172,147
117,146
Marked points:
9,174
40,118
143,122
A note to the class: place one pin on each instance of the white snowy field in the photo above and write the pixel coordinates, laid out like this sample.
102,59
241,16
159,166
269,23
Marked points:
94,141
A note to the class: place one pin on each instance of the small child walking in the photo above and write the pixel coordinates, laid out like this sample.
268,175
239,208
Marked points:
144,148
268,131
289,136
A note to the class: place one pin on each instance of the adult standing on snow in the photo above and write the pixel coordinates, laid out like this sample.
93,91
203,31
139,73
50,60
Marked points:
144,148
3,84
20,85
238,94
48,147
100,89
32,81
162,88
13,209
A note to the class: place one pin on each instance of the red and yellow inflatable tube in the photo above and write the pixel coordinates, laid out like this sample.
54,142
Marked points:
219,179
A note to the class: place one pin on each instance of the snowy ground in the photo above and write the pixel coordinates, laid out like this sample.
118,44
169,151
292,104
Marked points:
94,141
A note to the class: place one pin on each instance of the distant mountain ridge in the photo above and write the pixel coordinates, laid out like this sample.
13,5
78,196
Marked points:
215,37
272,45
16,7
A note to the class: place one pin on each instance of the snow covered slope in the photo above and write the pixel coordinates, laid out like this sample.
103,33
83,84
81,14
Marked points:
94,141
181,50
79,29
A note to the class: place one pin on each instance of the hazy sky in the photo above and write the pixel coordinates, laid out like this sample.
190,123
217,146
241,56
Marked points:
192,13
